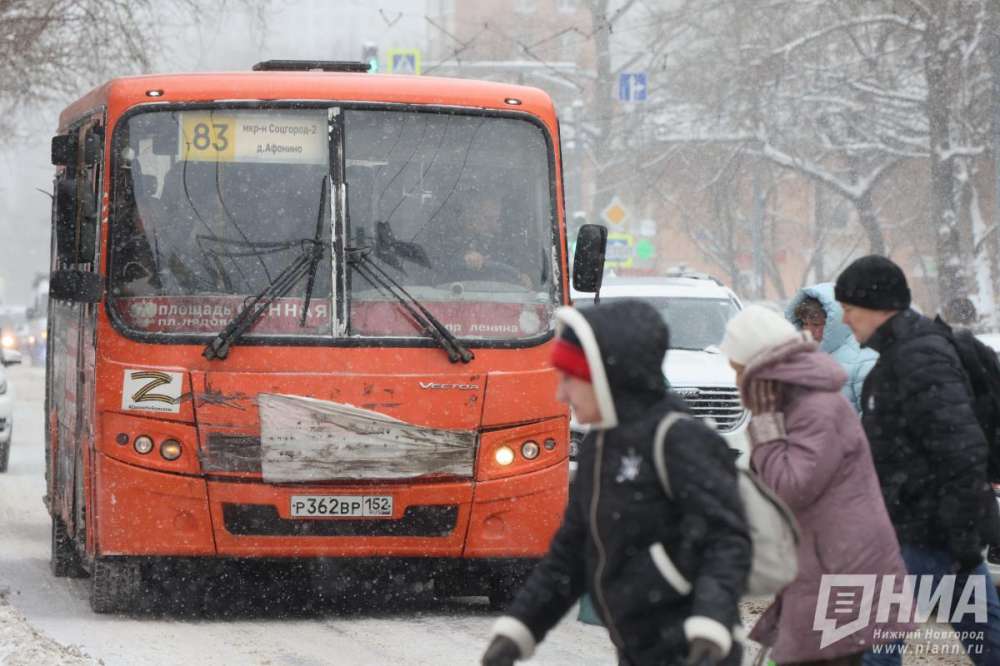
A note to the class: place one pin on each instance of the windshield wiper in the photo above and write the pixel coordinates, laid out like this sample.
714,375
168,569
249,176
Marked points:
255,306
321,223
431,325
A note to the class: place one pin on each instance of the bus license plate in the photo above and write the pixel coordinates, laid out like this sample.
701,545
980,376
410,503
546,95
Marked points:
341,506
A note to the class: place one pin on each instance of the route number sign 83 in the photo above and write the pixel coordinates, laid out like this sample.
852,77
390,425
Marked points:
208,138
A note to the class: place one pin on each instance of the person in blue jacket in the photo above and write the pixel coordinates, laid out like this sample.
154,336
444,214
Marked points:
815,309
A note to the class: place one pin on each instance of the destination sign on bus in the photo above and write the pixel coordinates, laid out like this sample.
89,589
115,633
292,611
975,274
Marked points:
298,137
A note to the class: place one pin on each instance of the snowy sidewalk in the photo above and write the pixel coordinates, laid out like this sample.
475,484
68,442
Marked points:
22,645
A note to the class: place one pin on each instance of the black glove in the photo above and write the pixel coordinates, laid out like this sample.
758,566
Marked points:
501,652
703,652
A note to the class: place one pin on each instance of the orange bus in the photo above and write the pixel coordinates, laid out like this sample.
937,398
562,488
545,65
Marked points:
304,312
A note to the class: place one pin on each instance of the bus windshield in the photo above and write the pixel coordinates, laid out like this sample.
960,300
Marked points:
212,205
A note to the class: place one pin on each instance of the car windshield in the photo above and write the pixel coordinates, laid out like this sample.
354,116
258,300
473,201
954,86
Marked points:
212,205
695,323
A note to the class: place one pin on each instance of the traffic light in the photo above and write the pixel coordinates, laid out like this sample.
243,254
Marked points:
369,54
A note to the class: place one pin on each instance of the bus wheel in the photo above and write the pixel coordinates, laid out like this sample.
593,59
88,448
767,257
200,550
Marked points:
64,560
115,585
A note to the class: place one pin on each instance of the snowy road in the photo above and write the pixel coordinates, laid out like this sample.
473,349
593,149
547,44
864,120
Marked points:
423,631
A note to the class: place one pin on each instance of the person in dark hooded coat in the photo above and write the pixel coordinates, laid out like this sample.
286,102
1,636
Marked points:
929,450
666,573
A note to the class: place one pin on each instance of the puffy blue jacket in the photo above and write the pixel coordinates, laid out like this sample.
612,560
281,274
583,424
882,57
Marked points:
838,340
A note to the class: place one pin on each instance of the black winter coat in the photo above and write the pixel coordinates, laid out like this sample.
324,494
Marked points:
654,566
928,448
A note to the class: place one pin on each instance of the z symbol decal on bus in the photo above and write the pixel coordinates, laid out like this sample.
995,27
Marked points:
152,390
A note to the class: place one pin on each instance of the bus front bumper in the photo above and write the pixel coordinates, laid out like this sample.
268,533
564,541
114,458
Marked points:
143,512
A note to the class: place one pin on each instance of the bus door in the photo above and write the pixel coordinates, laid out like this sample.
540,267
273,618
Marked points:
76,223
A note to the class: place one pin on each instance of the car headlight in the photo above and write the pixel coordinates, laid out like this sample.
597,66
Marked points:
8,341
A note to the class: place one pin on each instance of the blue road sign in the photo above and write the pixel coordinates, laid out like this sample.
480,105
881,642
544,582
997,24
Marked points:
632,87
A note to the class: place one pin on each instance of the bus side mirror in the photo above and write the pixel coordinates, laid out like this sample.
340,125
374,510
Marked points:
76,286
588,261
64,219
68,248
64,149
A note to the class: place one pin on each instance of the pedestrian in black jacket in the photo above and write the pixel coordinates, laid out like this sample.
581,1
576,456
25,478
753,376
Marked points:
929,450
666,573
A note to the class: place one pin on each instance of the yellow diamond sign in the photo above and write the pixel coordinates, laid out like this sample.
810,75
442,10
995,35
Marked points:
615,212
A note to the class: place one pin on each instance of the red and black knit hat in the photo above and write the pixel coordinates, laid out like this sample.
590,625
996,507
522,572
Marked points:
568,356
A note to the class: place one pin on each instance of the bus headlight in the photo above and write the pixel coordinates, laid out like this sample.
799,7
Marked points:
170,449
504,456
530,450
143,444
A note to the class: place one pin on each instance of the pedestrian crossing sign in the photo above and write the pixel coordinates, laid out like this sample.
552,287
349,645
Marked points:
404,61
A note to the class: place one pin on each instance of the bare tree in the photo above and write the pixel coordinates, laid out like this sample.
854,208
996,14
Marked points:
843,91
53,49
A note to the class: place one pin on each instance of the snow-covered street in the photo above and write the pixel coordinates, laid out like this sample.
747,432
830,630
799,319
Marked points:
48,620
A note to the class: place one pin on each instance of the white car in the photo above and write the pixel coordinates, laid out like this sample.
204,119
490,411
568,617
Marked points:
696,309
8,357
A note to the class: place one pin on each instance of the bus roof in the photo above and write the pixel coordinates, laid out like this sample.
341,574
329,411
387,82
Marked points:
120,93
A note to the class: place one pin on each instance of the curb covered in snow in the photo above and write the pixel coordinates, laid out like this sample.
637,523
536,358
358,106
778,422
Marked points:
22,645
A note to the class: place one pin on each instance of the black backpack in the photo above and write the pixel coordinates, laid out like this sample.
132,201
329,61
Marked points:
983,370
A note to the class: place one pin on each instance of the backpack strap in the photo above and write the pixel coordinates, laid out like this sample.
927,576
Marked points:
660,448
